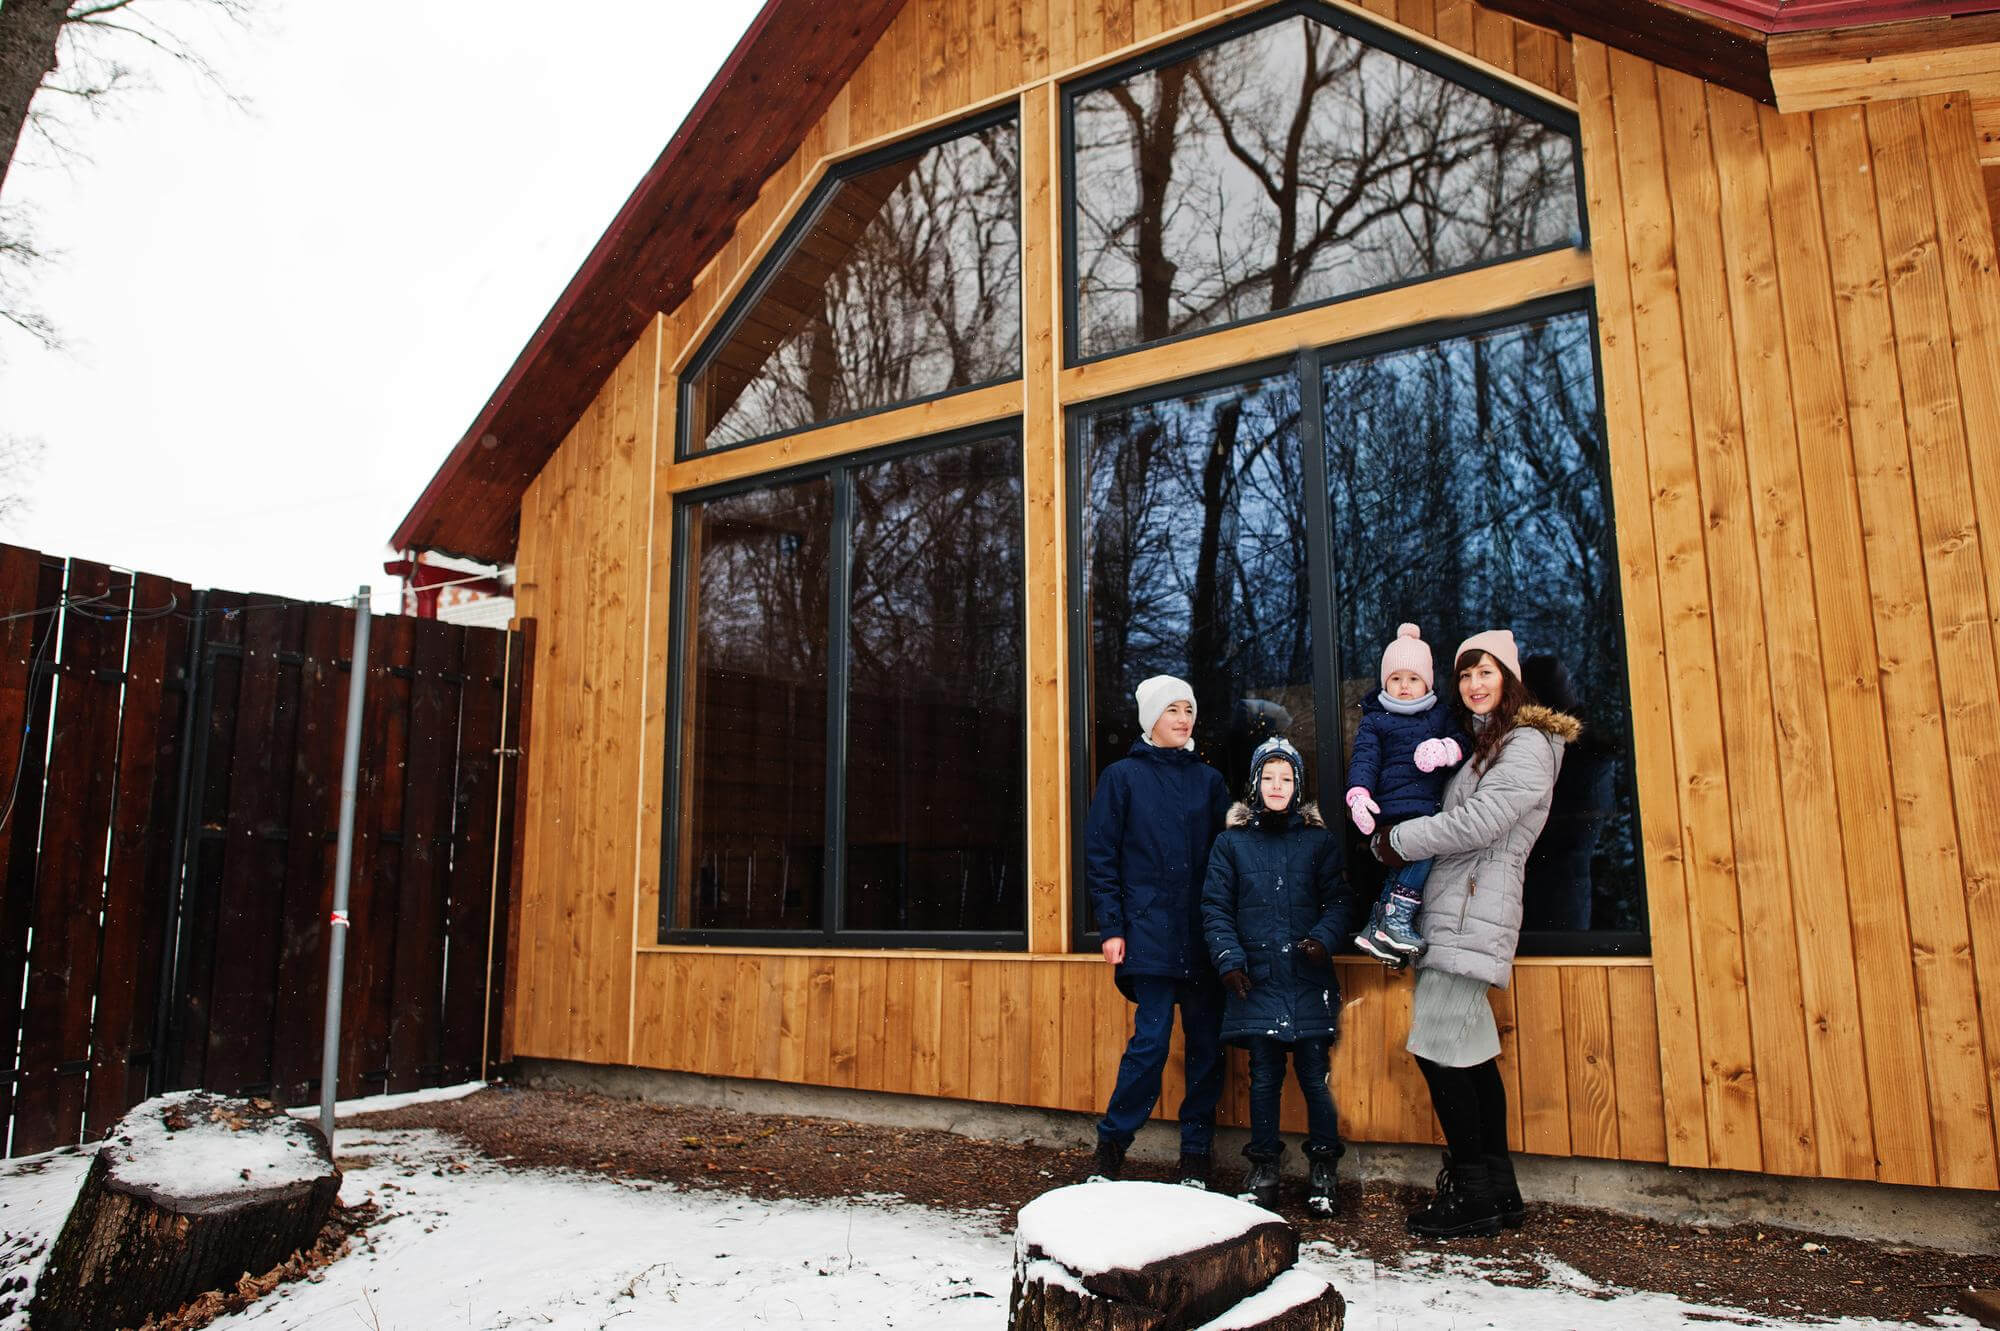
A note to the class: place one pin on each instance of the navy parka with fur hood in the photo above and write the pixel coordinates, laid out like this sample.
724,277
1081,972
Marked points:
1267,888
1154,816
1384,761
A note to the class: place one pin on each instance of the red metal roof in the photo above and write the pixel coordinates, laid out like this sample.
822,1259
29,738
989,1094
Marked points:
1776,16
773,88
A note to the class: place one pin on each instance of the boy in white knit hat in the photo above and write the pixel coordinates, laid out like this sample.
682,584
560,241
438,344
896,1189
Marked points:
1152,820
1403,750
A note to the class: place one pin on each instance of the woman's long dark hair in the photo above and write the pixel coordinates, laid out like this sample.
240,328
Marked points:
1514,696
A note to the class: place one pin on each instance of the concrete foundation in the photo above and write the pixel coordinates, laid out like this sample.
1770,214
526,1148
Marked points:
1950,1219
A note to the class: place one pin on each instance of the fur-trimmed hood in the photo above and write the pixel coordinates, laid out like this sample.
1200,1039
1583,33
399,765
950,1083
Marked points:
1550,722
1240,814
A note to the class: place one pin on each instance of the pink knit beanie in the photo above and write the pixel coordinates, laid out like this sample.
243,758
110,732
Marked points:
1499,644
1407,651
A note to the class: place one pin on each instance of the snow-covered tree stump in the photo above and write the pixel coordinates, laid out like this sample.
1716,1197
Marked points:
1160,1257
188,1192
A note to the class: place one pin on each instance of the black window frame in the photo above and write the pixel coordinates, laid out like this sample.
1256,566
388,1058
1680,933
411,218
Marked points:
1308,364
1428,58
686,447
833,887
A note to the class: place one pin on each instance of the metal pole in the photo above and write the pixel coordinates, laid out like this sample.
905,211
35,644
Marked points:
343,865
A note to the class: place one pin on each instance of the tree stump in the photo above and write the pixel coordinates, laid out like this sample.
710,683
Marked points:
188,1192
1160,1257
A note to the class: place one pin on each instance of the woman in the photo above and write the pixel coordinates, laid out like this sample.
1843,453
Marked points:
1154,816
1493,810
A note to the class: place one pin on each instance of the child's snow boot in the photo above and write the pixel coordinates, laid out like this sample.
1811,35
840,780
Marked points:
1260,1185
1194,1169
1108,1163
1399,925
1463,1207
1506,1192
1375,943
1321,1195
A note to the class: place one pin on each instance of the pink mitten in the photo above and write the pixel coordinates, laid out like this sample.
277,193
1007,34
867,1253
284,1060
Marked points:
1362,809
1435,753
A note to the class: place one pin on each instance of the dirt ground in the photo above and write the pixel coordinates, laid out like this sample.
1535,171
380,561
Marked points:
1759,1269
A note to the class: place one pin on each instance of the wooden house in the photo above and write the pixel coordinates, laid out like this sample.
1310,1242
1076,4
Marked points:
961,362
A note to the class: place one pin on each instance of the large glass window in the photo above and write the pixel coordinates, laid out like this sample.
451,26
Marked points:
1192,556
1264,537
902,281
1466,490
916,826
1306,159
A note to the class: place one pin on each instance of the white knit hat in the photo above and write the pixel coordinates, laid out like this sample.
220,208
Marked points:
1497,643
1157,694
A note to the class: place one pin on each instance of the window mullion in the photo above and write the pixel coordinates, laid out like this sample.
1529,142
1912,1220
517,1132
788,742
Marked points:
1320,572
833,885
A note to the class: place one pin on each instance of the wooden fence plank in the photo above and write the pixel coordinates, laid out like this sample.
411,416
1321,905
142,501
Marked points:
1588,1057
416,1052
137,881
243,991
508,908
1045,1034
221,669
374,896
27,691
475,814
76,824
312,825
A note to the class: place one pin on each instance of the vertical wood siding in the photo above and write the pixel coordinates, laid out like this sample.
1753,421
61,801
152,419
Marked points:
1796,317
1796,332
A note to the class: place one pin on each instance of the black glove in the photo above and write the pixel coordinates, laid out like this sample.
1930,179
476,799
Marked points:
1313,950
1380,846
1236,982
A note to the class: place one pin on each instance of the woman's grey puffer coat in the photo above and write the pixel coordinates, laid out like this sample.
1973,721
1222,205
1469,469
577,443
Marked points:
1480,839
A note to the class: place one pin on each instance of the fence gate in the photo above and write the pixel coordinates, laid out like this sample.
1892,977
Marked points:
169,796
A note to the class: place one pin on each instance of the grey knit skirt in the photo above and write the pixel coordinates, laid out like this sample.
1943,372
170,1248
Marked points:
1451,1021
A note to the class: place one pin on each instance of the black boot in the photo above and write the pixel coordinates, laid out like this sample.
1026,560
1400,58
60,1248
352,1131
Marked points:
1506,1192
1108,1163
1322,1190
1260,1185
1194,1169
1463,1206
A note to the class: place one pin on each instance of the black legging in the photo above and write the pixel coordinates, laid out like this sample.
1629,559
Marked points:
1471,1105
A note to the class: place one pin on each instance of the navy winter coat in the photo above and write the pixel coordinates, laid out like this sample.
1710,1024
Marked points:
1267,889
1384,761
1155,814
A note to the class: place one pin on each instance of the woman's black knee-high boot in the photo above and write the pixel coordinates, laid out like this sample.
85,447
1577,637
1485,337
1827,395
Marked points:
1463,1207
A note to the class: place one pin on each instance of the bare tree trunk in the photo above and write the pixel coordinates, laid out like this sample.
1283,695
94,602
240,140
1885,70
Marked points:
28,33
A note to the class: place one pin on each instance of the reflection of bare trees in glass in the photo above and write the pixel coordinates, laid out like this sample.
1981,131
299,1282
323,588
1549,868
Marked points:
1291,165
1194,556
906,284
1466,492
756,713
936,754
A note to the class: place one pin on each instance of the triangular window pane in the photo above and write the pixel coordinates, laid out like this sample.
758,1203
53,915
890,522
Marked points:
902,282
1290,165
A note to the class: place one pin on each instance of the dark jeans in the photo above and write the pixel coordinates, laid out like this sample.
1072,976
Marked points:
1311,1060
1408,880
1471,1105
1138,1088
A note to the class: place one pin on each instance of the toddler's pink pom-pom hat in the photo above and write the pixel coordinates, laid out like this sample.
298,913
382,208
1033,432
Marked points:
1407,652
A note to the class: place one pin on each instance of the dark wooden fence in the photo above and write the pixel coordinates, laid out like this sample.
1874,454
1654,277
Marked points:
169,799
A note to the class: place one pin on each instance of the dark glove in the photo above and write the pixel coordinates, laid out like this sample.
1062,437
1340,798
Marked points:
1379,846
1236,982
1313,950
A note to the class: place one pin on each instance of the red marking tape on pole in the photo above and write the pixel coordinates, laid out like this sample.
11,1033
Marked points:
340,918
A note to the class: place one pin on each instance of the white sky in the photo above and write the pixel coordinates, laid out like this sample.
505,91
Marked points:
282,319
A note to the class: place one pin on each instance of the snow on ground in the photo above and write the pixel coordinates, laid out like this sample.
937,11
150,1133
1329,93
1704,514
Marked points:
464,1242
